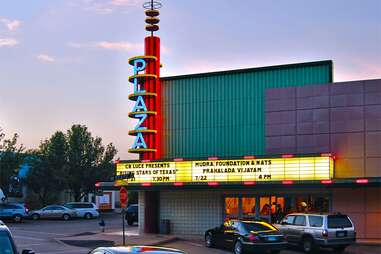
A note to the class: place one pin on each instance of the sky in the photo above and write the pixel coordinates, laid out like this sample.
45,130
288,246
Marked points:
64,62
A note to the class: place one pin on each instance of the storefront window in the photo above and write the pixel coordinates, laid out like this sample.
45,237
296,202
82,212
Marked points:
231,207
312,204
265,208
248,207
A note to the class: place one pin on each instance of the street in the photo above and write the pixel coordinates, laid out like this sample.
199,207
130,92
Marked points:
79,236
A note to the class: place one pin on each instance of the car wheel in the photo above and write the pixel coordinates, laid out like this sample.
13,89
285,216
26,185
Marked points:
35,216
238,247
209,240
339,249
17,218
88,216
130,222
308,245
275,251
66,216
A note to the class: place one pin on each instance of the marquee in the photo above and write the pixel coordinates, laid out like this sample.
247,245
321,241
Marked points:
242,170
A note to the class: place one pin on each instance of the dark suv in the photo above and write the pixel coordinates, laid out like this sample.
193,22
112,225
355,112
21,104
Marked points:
6,241
132,214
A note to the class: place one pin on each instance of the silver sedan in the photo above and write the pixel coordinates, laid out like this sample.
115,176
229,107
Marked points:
53,212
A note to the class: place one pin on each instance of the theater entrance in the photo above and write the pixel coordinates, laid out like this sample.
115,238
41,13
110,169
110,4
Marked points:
272,208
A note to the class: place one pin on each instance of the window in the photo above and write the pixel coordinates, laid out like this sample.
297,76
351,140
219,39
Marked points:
257,227
231,207
5,243
300,220
86,206
339,221
289,220
11,207
132,209
315,221
248,207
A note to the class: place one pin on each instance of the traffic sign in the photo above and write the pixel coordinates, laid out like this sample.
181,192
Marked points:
123,197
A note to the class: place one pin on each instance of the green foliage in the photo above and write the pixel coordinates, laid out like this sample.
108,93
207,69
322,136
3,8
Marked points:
74,161
88,161
46,177
11,157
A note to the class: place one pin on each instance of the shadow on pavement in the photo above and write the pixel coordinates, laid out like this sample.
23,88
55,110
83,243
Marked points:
89,243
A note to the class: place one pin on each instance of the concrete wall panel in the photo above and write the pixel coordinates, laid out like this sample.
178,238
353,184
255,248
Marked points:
373,167
373,117
373,144
191,212
349,168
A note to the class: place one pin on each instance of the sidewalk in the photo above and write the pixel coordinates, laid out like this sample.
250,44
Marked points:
368,242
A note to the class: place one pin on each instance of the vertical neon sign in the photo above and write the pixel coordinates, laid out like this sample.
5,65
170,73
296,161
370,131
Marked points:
147,92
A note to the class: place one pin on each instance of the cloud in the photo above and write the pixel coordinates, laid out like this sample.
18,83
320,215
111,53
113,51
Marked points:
11,24
120,46
106,6
8,42
110,45
45,58
75,45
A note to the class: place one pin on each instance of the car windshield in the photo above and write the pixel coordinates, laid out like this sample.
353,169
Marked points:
70,206
5,243
258,226
339,221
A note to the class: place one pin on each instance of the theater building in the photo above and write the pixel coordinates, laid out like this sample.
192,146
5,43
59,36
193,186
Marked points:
234,144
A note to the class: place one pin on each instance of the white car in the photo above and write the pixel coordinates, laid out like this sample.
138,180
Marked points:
84,209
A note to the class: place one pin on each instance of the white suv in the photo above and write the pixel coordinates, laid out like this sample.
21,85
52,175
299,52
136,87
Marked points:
314,230
84,209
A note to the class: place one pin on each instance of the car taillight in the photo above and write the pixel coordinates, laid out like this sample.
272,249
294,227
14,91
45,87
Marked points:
324,233
253,238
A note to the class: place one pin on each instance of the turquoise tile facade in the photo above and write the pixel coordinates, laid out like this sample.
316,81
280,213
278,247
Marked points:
222,113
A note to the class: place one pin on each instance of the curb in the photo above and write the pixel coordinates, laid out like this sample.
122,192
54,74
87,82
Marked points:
165,241
367,244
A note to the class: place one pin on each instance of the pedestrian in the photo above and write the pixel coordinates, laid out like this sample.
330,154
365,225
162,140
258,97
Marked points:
102,225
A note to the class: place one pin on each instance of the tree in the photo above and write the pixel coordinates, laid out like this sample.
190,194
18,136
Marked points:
46,177
11,157
88,161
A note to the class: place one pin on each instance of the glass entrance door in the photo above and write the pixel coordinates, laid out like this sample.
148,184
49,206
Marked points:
248,207
231,208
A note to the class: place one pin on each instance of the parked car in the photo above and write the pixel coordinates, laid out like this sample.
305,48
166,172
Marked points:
245,236
53,212
7,244
314,230
2,196
132,214
16,212
84,209
136,249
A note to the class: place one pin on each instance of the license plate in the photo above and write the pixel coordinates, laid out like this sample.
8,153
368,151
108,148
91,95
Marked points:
271,238
341,234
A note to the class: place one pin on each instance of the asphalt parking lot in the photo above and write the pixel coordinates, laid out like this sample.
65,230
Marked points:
41,236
